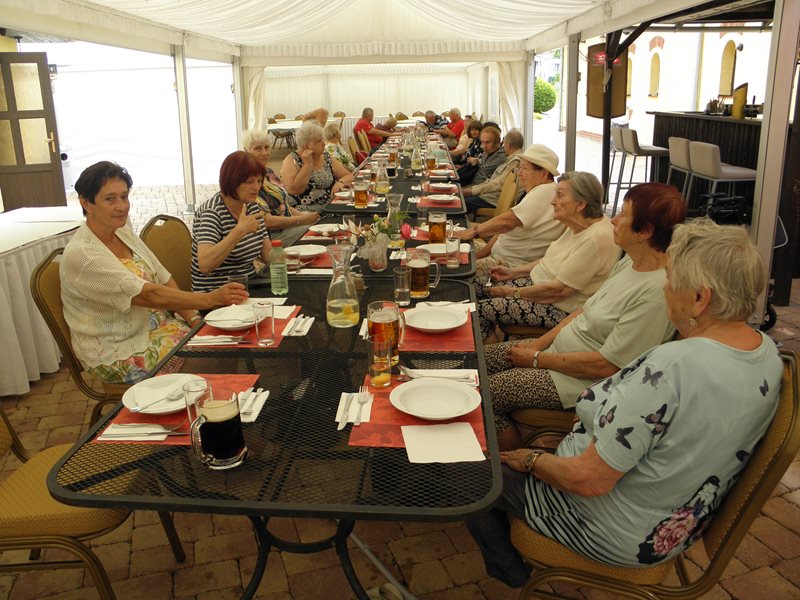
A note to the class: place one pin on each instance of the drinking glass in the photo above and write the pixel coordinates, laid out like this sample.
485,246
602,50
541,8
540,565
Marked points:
238,279
402,286
361,198
439,227
263,313
385,321
379,358
419,262
216,431
197,388
452,245
293,262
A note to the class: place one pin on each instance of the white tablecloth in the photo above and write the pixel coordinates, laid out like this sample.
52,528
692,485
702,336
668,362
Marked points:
28,347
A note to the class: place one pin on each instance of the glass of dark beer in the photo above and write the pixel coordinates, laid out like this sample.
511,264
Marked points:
217,438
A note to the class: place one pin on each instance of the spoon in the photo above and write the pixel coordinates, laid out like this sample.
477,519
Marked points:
175,394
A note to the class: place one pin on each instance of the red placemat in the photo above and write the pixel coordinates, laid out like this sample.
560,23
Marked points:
321,261
463,257
383,428
313,236
459,339
248,335
222,385
426,202
452,190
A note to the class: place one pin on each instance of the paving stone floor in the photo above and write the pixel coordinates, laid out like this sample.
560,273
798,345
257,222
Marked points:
436,561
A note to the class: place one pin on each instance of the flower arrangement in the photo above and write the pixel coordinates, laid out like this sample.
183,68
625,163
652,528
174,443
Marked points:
376,237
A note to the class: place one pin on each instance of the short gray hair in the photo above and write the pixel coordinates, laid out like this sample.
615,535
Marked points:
308,132
722,258
255,136
455,111
366,112
331,131
515,139
584,187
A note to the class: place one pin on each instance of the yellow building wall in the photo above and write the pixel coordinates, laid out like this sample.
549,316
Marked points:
8,44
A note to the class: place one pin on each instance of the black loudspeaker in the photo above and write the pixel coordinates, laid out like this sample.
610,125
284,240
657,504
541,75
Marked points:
594,85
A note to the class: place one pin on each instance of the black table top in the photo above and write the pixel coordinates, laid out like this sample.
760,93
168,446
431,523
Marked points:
298,463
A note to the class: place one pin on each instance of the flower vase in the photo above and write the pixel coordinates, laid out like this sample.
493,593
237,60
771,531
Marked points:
375,250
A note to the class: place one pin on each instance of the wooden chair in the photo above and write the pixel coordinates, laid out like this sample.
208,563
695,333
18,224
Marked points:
363,142
754,486
279,116
299,117
33,520
282,136
418,113
508,198
46,292
170,240
340,115
351,144
538,422
446,114
401,116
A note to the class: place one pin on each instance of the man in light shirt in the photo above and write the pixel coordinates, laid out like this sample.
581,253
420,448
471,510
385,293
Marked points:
486,193
523,233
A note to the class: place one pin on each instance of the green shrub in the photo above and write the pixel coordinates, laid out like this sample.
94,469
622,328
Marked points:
544,96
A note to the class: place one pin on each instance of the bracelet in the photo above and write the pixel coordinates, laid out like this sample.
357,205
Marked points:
296,220
536,359
195,318
475,233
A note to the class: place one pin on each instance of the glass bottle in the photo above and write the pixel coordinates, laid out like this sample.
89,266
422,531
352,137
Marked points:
278,275
416,159
342,308
408,143
382,186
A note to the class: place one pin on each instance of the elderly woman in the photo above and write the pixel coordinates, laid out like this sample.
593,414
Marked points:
229,232
624,318
282,220
472,145
309,174
115,292
653,452
543,292
333,146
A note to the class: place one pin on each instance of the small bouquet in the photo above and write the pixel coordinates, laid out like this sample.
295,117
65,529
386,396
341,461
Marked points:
377,234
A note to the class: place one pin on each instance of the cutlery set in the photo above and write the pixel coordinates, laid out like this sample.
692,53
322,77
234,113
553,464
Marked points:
298,325
362,397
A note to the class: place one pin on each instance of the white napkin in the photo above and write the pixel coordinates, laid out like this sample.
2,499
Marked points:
397,254
260,401
129,434
451,442
413,199
450,374
353,409
416,187
283,312
236,312
301,330
364,331
214,340
312,272
464,248
276,301
158,387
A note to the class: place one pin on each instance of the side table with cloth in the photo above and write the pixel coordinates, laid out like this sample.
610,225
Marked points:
29,348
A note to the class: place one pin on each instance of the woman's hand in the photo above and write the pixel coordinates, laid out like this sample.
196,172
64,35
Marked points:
521,355
500,273
249,223
515,459
230,293
307,156
308,217
500,291
337,187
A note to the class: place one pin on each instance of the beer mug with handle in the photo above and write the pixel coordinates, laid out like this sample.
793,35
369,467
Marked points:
385,321
419,261
439,227
217,438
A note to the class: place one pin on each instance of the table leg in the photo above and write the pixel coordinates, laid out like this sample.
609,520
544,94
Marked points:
262,540
343,531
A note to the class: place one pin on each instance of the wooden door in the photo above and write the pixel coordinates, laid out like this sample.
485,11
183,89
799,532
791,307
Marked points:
30,160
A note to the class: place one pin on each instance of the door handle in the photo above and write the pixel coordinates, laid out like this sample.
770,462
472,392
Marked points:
52,140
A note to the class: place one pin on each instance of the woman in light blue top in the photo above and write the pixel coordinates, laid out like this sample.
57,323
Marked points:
658,445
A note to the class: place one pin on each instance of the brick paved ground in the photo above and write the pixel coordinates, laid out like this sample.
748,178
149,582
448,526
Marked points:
435,560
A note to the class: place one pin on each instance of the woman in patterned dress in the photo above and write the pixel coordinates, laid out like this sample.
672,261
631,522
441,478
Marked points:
656,446
116,294
310,174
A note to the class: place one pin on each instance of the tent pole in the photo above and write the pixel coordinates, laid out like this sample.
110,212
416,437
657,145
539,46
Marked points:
572,105
238,99
179,61
530,79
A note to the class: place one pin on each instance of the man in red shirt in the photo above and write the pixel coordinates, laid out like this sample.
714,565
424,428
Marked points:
452,132
374,136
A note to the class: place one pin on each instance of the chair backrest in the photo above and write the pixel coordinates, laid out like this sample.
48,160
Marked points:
351,143
279,116
418,113
363,142
271,121
170,240
616,139
630,140
758,479
338,114
299,117
705,159
401,116
679,153
508,194
446,114
46,292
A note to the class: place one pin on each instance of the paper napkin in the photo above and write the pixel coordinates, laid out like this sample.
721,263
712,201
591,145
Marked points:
451,442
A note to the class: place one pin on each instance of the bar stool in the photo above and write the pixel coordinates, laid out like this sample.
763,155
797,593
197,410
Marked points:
616,148
706,164
680,161
630,144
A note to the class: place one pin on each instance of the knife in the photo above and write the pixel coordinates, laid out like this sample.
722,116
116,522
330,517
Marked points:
345,412
251,401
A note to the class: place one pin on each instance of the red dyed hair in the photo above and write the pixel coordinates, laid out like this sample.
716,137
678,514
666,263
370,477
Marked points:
659,205
237,168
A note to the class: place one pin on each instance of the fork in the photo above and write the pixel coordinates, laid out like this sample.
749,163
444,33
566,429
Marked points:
363,398
297,321
164,427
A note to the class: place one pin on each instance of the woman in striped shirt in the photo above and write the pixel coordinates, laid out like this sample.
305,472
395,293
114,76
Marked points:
229,231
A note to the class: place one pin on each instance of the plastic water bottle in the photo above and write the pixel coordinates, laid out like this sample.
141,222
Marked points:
278,276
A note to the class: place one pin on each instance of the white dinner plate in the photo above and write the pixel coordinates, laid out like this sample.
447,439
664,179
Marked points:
435,399
441,172
434,249
443,198
343,194
154,388
232,318
432,319
327,228
309,250
441,186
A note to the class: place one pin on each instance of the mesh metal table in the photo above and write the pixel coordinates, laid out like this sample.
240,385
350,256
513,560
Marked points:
298,464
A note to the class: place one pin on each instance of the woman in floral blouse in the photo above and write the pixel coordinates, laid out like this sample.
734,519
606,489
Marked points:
657,446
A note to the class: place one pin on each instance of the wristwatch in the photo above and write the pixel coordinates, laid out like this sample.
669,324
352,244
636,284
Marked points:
517,294
536,359
475,233
529,462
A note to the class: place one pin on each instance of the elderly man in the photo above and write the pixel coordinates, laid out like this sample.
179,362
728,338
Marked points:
522,234
374,135
478,170
434,122
453,130
486,194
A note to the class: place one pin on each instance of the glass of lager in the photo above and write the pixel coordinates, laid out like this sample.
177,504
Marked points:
419,262
439,228
384,321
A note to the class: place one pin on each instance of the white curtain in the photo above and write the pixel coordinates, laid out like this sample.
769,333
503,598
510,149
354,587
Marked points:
253,81
511,88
